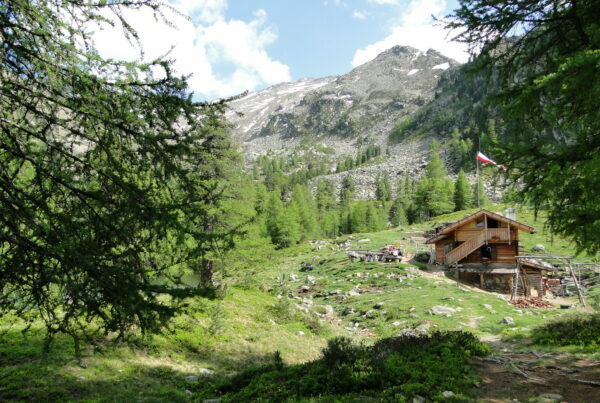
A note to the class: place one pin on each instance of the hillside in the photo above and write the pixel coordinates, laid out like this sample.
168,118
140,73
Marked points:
345,114
276,308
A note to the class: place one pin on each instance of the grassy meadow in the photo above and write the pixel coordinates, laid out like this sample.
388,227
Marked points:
276,313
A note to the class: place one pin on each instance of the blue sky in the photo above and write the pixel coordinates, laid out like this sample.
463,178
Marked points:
229,46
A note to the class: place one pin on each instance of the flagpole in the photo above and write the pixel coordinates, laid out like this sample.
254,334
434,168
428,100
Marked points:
478,181
478,190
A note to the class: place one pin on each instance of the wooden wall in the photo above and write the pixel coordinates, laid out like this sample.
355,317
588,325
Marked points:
506,253
439,249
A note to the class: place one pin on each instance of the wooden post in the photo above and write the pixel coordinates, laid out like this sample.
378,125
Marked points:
481,280
516,279
485,227
509,233
576,283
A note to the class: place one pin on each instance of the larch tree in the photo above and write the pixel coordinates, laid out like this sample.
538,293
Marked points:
100,174
549,80
462,192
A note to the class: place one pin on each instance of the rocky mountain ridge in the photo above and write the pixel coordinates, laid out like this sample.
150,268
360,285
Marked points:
345,113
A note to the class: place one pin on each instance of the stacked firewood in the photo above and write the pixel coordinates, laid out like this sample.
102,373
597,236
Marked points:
531,302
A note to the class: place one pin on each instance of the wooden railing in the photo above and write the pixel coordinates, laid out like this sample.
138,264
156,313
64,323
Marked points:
465,248
498,234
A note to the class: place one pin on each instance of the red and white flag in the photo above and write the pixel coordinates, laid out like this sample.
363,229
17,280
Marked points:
483,158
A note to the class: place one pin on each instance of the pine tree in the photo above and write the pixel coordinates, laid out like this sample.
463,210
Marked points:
435,191
303,202
347,190
383,190
462,192
282,224
479,195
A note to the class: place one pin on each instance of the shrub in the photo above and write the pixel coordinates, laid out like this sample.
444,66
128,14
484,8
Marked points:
394,369
579,330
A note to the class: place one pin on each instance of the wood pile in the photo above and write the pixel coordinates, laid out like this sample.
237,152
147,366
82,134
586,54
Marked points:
531,302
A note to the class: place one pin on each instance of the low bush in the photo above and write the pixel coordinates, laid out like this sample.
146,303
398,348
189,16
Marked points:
393,369
579,330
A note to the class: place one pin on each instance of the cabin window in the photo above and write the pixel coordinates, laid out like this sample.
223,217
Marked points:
492,223
479,224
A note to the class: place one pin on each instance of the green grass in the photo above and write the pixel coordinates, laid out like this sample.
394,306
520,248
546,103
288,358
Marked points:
257,318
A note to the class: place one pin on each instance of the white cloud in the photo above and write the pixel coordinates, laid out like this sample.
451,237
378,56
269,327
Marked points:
416,28
383,1
224,56
359,15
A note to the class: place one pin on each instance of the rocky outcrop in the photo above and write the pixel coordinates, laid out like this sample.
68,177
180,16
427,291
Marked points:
361,106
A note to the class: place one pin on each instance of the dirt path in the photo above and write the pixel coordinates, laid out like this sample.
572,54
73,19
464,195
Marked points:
510,374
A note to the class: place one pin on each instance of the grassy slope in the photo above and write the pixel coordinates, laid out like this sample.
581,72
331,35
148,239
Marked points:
251,323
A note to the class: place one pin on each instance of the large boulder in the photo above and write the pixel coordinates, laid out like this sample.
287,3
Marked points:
423,257
538,248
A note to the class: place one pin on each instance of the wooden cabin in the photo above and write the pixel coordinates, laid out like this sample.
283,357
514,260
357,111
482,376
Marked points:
483,248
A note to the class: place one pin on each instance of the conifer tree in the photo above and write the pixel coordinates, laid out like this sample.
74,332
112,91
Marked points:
549,87
347,190
107,182
383,189
282,224
434,194
479,195
462,192
303,202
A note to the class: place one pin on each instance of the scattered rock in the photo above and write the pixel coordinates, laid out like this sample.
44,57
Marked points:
364,240
304,288
206,372
300,333
448,393
352,293
310,280
538,248
423,328
407,332
370,314
192,378
379,305
489,308
412,309
448,299
307,302
293,277
552,396
414,315
442,310
507,321
329,312
396,323
334,292
418,399
348,311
